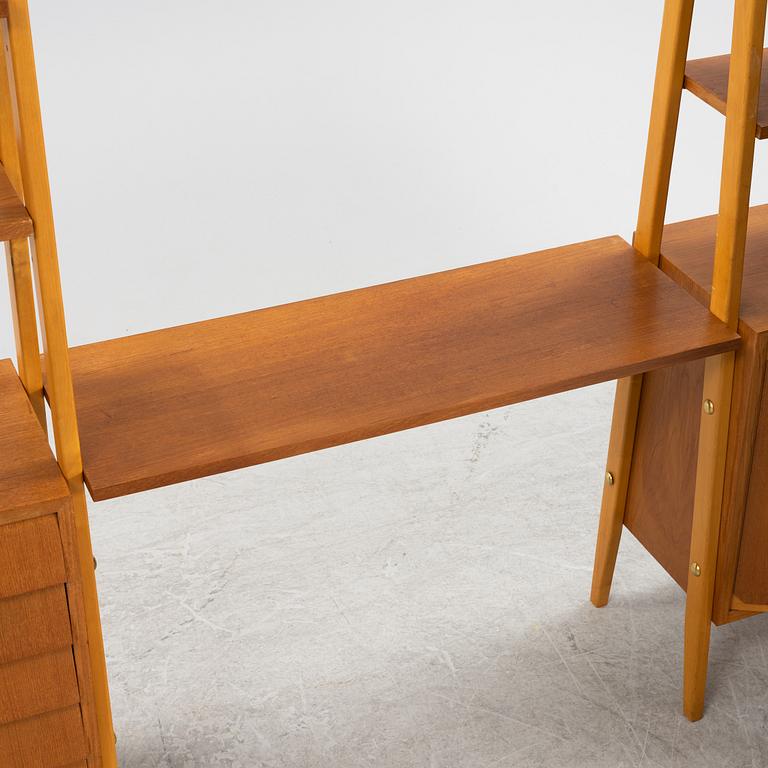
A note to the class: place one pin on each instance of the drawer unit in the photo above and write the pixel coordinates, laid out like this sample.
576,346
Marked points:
46,708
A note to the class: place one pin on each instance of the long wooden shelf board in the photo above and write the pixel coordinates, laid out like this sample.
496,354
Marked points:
30,480
14,217
688,250
173,405
708,79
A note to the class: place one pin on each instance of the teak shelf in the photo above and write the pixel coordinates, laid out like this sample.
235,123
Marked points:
687,468
172,405
708,79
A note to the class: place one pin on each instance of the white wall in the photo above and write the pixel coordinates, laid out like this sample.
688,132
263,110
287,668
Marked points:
208,158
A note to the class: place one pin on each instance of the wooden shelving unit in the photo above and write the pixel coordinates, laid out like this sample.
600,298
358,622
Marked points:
689,441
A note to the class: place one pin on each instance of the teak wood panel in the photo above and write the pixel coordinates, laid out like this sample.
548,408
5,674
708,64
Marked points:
34,624
751,585
51,740
30,480
659,509
708,79
660,499
14,218
172,405
742,438
31,556
34,686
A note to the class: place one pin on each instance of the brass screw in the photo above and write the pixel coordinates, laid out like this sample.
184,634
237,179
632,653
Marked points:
709,407
695,569
609,478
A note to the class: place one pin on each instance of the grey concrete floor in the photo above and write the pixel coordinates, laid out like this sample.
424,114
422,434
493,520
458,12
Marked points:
416,600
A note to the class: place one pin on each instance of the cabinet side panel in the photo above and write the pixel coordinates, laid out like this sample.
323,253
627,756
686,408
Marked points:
746,407
751,585
661,485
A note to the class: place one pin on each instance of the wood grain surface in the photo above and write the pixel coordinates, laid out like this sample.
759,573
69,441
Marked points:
14,218
34,686
751,585
30,480
69,541
708,79
31,556
34,624
689,248
168,406
661,485
47,741
741,471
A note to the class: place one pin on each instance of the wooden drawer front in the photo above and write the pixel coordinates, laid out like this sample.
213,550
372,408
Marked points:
34,624
30,556
48,741
33,686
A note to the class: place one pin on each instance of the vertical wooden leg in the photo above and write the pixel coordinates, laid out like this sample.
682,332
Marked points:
20,280
710,473
102,702
665,109
730,243
622,440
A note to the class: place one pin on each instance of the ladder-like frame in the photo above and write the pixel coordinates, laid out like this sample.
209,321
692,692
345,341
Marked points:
22,153
730,243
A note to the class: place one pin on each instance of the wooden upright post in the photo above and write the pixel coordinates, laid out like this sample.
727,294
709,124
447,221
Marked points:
736,181
665,110
20,278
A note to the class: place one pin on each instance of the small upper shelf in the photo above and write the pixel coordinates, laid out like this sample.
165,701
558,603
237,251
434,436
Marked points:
708,79
688,253
172,405
14,219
